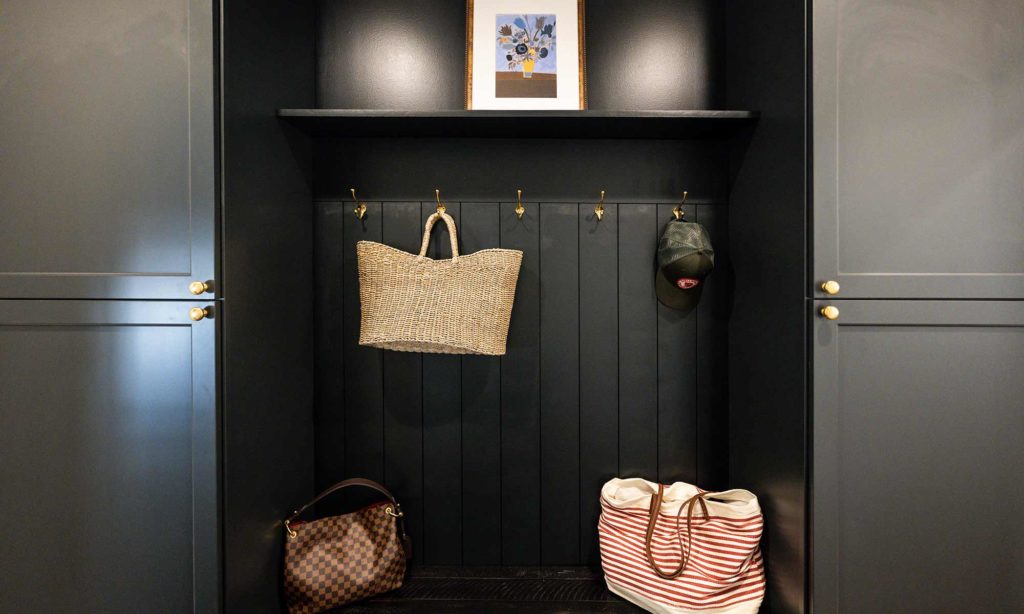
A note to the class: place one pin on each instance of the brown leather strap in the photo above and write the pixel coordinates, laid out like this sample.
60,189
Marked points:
344,484
684,551
399,515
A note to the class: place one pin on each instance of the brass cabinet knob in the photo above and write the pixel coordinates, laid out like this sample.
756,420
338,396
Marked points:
830,287
199,287
198,313
830,313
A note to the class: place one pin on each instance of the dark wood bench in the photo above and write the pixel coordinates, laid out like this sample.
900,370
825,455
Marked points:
527,590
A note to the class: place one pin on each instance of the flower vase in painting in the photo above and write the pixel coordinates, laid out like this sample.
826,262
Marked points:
527,66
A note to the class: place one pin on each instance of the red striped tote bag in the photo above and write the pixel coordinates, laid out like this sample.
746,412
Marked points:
674,549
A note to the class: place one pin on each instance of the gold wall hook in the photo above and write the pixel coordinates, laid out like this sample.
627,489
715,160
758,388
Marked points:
360,209
599,208
440,205
678,211
520,209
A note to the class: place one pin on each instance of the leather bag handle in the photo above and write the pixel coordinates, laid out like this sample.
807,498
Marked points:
345,484
396,512
684,552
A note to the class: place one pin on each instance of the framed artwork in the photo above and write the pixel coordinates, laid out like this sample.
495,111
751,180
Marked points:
525,54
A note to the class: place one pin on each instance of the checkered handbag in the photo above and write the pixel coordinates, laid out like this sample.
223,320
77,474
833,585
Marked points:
340,559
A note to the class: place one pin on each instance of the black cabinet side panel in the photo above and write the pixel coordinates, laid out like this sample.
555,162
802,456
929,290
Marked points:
267,284
767,71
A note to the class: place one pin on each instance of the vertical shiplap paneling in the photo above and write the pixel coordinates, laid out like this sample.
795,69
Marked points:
559,384
481,417
329,277
677,383
712,357
520,397
403,393
491,456
364,392
638,342
442,432
599,366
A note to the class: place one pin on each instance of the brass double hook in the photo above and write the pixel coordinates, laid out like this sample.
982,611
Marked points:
599,208
520,209
678,211
360,209
440,205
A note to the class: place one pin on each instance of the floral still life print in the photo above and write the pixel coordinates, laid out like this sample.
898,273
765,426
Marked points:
526,64
525,55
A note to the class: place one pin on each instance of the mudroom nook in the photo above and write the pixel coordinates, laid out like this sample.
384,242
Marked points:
502,280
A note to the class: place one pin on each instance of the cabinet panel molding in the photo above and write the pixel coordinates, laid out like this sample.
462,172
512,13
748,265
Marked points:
109,447
918,424
109,115
918,145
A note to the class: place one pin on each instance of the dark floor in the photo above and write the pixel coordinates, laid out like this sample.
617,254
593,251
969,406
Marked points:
529,590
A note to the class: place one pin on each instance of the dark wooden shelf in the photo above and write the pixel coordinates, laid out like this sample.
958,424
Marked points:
520,124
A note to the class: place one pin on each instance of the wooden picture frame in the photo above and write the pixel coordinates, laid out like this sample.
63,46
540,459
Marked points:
522,44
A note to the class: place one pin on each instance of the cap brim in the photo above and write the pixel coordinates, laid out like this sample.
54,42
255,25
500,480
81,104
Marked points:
672,296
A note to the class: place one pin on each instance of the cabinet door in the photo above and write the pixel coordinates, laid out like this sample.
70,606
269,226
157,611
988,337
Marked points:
918,448
918,145
108,457
107,148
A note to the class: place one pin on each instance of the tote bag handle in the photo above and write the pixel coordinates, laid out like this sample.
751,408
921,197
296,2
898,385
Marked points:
452,235
684,552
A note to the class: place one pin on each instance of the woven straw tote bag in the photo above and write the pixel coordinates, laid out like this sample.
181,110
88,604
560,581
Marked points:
411,303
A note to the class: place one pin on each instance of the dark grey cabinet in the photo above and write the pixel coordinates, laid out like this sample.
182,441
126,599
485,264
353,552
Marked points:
918,144
917,406
107,133
108,457
918,430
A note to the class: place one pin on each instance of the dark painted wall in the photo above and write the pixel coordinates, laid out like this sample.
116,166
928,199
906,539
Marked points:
767,329
410,54
500,460
268,59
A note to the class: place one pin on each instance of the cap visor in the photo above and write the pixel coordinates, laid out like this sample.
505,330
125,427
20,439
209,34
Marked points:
670,295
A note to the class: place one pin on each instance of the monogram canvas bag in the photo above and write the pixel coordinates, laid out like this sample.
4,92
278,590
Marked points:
340,559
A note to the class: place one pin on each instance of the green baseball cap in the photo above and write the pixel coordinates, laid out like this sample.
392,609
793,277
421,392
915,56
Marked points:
685,258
